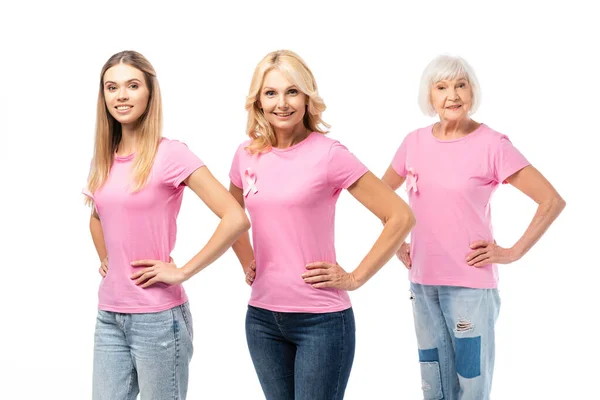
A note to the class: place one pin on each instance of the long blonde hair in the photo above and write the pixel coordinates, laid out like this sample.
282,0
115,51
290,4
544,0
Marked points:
109,131
296,71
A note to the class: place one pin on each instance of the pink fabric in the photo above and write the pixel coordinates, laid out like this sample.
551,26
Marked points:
449,185
290,196
140,226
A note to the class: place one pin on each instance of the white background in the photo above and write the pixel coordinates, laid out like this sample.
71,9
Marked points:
536,65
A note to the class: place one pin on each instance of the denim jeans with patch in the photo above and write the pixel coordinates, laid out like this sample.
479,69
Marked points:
146,353
455,335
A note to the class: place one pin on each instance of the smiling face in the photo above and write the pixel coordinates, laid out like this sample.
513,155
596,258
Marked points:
452,99
283,104
126,93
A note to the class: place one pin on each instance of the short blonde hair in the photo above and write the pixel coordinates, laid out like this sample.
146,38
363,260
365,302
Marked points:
447,67
296,71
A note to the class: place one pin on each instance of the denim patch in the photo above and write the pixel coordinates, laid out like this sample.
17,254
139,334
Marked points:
428,355
468,356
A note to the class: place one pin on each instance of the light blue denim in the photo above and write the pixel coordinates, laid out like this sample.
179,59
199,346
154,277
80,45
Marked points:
146,353
455,335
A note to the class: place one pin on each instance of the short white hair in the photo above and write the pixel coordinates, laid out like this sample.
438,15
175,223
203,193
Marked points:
447,67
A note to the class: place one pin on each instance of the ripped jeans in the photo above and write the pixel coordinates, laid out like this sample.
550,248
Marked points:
455,335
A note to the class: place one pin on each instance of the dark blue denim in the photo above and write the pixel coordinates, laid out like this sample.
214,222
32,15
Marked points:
301,356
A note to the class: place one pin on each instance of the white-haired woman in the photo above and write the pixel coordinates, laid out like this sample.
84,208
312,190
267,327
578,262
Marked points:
300,325
451,169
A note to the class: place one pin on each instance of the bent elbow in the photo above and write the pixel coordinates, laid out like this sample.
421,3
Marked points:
243,221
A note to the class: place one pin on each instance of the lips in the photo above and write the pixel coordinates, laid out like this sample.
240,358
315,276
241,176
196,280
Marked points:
123,108
454,107
284,115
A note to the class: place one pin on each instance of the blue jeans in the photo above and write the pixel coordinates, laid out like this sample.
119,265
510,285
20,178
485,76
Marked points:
301,356
142,353
455,335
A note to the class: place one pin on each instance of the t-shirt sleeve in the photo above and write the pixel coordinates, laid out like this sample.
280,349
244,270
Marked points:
507,160
86,191
234,172
180,163
343,168
399,160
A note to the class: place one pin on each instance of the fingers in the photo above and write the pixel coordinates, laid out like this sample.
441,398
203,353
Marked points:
479,243
323,285
251,274
314,272
102,271
479,259
476,253
318,278
150,282
142,276
320,264
253,265
144,262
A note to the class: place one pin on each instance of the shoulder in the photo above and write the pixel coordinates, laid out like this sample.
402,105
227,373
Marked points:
491,135
169,146
417,134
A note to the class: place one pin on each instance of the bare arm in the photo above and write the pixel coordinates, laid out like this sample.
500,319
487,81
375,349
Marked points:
233,223
392,179
398,220
97,235
98,239
242,247
396,216
550,204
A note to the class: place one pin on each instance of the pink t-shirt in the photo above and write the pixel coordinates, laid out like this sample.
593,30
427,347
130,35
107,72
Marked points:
140,226
290,195
449,186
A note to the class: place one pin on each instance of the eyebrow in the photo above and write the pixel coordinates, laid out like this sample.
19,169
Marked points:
270,88
130,80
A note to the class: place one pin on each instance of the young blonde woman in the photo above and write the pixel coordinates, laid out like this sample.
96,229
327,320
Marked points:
300,325
143,339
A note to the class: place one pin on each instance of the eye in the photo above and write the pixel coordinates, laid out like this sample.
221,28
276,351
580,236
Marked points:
440,88
293,91
270,93
134,86
111,88
462,85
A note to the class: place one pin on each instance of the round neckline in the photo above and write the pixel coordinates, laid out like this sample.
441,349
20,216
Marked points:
295,146
124,158
479,128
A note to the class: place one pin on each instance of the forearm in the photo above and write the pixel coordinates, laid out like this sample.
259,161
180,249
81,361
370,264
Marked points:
98,237
243,250
545,215
232,225
394,233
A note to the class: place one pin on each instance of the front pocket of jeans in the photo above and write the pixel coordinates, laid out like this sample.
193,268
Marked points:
431,381
187,318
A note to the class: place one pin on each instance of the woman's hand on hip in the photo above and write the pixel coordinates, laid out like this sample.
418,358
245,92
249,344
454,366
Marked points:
322,275
486,253
155,271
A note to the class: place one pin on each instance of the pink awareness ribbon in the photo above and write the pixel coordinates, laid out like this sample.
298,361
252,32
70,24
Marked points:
411,181
251,180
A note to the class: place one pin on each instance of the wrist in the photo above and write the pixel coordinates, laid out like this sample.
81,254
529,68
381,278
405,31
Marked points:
355,280
516,252
186,273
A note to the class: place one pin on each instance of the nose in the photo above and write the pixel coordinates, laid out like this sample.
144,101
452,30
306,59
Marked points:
452,94
282,102
122,95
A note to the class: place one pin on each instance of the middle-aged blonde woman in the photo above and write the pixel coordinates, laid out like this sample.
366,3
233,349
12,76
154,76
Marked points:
300,324
451,169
